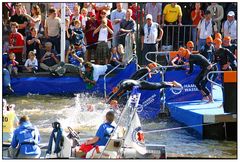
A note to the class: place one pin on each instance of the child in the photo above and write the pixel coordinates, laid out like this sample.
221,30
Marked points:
121,52
32,63
84,13
115,58
12,64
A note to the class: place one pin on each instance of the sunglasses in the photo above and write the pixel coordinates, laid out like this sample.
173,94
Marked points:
191,47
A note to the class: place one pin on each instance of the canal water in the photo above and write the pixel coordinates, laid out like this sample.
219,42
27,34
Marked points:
73,111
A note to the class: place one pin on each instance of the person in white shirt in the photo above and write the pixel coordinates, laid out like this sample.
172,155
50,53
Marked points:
90,73
229,27
102,48
206,27
151,34
117,16
32,63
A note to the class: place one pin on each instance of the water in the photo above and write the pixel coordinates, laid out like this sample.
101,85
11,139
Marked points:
72,111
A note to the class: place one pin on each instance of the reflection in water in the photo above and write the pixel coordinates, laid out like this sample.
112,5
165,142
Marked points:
72,111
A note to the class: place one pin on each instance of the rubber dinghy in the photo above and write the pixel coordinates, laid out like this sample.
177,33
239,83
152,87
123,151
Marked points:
126,142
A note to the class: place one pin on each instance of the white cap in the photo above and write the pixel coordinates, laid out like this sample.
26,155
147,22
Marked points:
231,13
149,16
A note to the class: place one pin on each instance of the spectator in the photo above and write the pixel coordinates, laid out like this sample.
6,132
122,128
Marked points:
27,138
16,42
20,19
10,121
117,16
123,57
172,15
35,19
206,27
151,34
224,57
197,14
91,39
34,43
217,14
232,47
68,35
84,13
229,27
52,29
127,25
155,9
102,48
32,63
49,59
75,15
137,14
90,7
115,58
99,7
12,64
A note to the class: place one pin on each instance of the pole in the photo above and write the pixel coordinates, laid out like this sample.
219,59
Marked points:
62,32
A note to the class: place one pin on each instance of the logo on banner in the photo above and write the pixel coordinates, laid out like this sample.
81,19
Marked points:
137,136
176,91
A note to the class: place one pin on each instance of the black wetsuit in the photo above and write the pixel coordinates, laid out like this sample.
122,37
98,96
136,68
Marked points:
128,84
140,73
223,56
201,79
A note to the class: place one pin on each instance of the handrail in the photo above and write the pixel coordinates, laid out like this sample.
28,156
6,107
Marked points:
211,81
104,78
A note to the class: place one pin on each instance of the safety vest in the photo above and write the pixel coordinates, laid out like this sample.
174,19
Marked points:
8,121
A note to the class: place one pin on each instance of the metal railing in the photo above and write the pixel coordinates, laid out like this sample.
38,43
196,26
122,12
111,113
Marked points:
162,70
134,57
213,82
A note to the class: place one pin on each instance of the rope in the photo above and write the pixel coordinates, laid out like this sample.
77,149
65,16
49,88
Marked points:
177,128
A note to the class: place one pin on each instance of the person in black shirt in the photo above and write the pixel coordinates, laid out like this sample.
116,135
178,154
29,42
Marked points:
33,43
201,79
224,57
128,84
232,47
143,72
20,19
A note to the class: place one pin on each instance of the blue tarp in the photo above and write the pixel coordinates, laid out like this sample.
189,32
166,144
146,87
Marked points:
66,84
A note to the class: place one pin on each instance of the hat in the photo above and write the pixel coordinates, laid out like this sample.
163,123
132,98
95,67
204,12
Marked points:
218,35
149,16
190,44
217,41
227,38
152,65
231,13
209,39
48,44
207,12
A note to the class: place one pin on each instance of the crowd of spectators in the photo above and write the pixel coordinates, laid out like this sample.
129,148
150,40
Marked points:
95,31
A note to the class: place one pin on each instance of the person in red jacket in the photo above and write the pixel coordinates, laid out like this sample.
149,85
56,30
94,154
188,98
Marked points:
16,42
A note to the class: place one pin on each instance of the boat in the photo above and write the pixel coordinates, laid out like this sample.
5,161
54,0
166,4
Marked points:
126,142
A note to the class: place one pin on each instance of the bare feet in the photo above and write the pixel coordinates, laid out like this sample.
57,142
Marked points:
205,98
210,99
177,85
